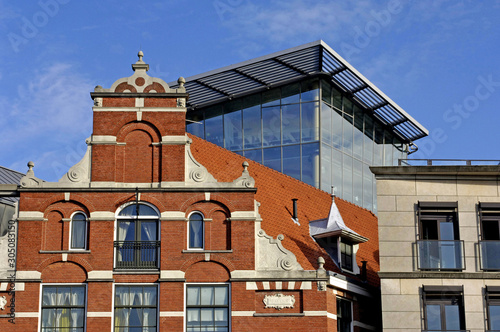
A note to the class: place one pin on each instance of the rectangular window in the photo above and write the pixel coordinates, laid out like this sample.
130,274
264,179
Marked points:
63,308
443,308
489,214
493,307
344,315
439,247
135,308
207,308
78,231
346,256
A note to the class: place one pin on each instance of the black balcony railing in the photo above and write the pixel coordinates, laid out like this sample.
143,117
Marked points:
440,255
489,252
136,254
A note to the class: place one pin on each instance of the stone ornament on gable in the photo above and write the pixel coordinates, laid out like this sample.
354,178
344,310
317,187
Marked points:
197,172
3,302
279,301
273,256
30,180
245,179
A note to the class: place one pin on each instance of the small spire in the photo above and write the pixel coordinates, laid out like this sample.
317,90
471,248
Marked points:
140,64
140,55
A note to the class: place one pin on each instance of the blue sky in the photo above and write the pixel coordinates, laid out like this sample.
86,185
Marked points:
437,59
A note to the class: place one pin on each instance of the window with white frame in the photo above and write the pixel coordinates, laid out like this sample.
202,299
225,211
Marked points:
137,235
78,232
135,308
344,315
196,231
63,308
207,308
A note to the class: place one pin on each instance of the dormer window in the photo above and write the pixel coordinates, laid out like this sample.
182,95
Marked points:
339,241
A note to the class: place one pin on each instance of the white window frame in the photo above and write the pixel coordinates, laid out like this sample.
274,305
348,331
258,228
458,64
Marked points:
352,311
355,248
186,285
189,231
86,239
136,284
118,218
39,327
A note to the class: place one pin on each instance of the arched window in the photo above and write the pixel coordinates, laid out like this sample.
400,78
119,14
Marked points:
78,232
137,235
196,231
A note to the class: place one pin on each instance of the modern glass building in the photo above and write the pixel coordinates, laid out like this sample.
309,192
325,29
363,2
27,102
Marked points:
307,113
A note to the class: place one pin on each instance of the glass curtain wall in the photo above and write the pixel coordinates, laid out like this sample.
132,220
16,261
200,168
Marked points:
308,130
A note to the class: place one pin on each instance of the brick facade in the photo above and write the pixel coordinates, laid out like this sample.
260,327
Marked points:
140,156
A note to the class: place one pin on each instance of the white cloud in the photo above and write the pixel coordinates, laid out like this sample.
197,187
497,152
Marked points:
51,111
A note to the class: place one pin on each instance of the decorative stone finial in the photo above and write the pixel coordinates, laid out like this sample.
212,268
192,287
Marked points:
181,81
140,55
245,166
321,262
30,166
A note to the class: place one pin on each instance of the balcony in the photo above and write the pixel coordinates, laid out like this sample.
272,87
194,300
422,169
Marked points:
136,255
489,252
440,255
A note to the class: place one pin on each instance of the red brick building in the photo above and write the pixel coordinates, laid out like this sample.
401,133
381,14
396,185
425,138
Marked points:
157,230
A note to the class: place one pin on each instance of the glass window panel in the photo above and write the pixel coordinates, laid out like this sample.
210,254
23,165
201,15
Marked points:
337,98
397,151
291,161
357,176
252,133
374,195
63,296
348,107
214,130
347,138
310,164
433,317
207,295
196,231
195,124
207,316
136,296
367,187
310,122
347,178
291,123
387,149
78,234
326,92
193,295
326,168
368,140
255,155
149,317
337,122
310,90
220,317
272,158
77,296
378,147
233,130
193,317
337,172
494,316
148,230
49,297
290,93
452,314
144,211
221,295
358,133
271,124
326,124
271,97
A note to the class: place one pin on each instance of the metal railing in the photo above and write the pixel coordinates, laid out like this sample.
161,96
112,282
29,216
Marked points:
441,255
136,254
448,162
489,253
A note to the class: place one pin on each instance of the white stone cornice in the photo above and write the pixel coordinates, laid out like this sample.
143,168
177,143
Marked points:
173,274
102,216
22,275
92,275
177,140
173,216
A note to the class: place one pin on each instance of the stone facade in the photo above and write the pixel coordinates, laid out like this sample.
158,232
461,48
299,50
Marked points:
415,267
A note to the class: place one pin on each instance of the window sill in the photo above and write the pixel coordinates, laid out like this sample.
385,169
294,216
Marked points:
195,251
64,251
299,314
136,271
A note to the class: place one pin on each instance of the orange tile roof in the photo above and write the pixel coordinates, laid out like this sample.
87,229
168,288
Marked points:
275,191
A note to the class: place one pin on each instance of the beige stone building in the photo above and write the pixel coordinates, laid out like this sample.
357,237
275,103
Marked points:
439,247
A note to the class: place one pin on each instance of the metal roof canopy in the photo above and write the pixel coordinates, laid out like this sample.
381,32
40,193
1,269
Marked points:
308,60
